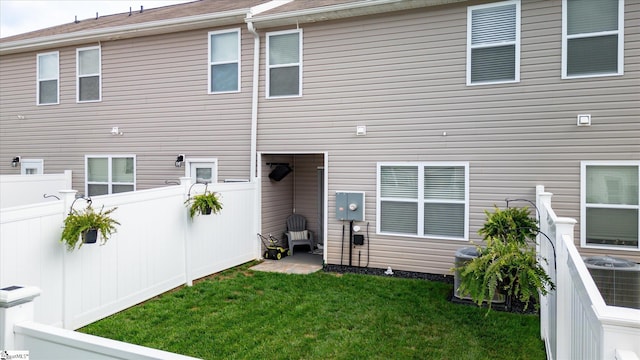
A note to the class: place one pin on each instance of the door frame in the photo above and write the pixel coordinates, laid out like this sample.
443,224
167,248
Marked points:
324,202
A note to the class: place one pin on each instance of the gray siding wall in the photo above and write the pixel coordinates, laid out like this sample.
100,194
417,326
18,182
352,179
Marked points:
154,88
403,76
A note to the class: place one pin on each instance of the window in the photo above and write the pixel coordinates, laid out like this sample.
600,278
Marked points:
493,43
284,63
423,200
592,38
224,61
48,78
203,170
110,174
88,69
610,204
32,166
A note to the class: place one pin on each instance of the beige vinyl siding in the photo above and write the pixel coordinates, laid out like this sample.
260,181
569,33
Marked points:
403,76
277,197
153,88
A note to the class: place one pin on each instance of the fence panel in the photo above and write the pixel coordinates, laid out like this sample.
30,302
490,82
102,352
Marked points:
216,242
156,248
30,254
20,190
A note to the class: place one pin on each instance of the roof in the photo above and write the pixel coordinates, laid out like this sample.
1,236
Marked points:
202,14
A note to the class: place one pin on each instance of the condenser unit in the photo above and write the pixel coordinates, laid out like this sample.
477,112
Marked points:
463,256
617,279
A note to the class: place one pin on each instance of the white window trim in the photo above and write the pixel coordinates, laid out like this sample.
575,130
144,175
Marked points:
583,204
109,182
214,161
98,74
619,32
269,66
38,79
420,201
239,57
31,163
470,10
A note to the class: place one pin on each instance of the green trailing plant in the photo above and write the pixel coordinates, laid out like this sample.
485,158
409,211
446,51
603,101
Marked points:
510,224
204,204
78,223
508,263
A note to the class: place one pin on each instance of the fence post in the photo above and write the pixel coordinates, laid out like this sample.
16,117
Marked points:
67,196
16,305
543,199
186,185
564,289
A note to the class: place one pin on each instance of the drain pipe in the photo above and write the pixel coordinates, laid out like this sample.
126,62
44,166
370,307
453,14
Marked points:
254,98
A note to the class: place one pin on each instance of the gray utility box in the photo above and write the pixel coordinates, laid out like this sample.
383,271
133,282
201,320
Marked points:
350,205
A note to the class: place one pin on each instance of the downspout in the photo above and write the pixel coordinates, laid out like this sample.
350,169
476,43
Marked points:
254,98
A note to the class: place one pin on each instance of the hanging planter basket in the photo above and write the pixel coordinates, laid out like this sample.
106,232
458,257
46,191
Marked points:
206,203
82,226
90,236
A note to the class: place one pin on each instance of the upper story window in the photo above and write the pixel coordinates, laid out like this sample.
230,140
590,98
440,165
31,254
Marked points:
48,78
610,204
284,63
224,61
110,174
423,200
493,43
88,68
592,38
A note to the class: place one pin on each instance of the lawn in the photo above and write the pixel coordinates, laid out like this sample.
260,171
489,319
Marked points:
242,314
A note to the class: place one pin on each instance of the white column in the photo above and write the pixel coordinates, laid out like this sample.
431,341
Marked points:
16,305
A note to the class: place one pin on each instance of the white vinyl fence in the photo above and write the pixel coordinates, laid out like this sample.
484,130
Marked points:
575,321
18,190
156,248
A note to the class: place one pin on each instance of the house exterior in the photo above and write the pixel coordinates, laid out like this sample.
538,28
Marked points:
431,110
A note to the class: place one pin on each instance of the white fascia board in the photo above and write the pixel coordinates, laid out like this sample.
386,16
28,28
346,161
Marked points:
126,31
340,11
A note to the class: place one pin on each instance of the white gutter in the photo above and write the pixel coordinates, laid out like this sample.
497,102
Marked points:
256,79
345,10
124,31
254,98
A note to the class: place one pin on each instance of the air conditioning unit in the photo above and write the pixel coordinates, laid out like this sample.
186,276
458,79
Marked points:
617,279
463,256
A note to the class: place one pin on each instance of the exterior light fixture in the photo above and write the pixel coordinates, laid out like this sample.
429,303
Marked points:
15,161
584,120
180,160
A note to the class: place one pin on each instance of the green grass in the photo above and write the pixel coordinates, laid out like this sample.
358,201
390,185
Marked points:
241,314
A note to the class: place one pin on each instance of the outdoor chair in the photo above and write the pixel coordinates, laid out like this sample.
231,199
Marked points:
297,232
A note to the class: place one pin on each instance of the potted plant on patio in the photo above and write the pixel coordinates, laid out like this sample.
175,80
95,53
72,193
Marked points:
204,204
508,263
84,226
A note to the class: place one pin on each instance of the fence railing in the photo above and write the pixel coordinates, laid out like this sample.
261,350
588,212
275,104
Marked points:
575,321
156,248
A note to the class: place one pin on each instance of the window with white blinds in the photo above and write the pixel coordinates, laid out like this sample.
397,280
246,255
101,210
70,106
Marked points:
88,70
610,204
423,200
493,43
284,63
592,38
224,61
48,78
